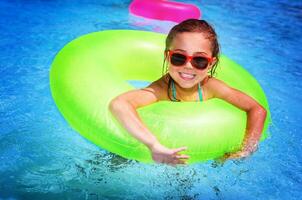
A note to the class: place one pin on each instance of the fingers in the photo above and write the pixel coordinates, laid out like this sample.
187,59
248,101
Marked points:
171,156
231,156
183,162
178,162
178,157
240,154
179,149
182,156
181,159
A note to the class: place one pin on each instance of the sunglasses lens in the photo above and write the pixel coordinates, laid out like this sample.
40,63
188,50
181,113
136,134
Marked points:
178,59
200,62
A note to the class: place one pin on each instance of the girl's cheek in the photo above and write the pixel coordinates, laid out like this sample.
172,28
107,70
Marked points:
172,69
202,75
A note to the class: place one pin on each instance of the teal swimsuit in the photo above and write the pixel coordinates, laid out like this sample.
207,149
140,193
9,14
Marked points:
174,92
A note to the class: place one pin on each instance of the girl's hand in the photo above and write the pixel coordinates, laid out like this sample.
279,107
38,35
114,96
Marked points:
162,154
246,151
236,155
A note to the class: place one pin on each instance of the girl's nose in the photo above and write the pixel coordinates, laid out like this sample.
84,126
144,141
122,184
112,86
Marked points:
188,65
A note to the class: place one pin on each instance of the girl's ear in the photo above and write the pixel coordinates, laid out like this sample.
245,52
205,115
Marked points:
213,62
166,53
165,63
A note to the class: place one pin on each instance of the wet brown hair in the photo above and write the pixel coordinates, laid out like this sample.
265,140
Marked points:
192,25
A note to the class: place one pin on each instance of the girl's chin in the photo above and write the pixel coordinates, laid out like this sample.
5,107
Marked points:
186,84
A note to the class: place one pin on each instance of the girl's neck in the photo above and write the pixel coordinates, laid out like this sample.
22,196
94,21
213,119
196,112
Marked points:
185,91
185,94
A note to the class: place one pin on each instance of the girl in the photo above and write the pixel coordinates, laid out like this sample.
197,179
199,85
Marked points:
192,50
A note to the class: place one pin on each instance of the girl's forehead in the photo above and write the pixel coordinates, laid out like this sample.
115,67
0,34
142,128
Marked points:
191,42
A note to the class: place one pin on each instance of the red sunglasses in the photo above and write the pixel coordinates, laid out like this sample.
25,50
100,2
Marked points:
180,59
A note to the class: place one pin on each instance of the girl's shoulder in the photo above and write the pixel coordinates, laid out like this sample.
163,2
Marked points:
211,82
159,88
213,86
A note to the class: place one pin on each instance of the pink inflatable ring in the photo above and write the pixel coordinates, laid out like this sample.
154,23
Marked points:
164,10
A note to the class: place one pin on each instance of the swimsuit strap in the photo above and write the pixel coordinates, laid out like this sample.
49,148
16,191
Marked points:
174,91
199,92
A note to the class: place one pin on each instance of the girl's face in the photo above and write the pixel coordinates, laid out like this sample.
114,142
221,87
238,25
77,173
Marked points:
191,44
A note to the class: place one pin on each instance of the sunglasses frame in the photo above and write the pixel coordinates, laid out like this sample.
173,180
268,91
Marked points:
189,59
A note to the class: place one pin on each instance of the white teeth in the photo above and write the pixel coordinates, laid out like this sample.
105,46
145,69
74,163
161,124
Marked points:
187,75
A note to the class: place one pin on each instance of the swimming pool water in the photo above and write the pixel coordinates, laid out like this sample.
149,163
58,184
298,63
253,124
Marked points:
41,157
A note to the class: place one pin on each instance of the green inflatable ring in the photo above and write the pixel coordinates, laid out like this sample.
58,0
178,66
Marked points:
93,69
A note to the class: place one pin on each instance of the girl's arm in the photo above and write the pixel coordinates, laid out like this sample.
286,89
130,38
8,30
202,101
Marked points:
124,106
256,114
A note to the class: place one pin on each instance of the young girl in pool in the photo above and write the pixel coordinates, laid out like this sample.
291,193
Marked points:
191,55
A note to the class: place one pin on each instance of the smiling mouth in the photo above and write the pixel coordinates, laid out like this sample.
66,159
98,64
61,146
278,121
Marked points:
187,76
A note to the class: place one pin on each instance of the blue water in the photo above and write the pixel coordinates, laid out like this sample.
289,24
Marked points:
41,157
